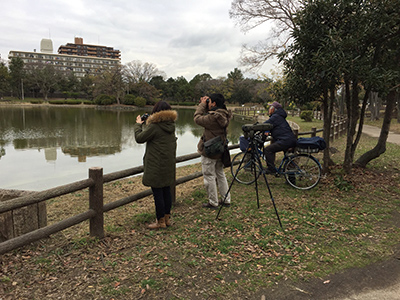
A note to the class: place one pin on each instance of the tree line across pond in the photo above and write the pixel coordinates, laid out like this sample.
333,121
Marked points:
135,83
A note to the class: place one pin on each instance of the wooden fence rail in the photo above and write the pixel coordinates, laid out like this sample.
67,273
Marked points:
95,183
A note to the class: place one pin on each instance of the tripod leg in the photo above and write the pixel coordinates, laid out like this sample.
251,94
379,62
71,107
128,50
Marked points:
256,186
230,186
272,200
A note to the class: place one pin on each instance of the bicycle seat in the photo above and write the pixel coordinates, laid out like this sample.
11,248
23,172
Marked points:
290,150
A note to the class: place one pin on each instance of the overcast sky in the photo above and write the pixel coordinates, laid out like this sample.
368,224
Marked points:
181,37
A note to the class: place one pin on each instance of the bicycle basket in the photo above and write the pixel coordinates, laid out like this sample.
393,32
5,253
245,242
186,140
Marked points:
310,145
307,150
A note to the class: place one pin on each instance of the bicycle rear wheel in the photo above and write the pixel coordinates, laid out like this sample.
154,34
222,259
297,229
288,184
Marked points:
303,171
244,174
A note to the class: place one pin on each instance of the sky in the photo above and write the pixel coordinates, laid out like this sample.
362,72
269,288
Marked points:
180,37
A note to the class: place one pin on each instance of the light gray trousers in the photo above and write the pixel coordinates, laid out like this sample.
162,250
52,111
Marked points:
213,174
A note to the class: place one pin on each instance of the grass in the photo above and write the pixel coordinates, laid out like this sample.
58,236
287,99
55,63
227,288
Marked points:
346,221
306,126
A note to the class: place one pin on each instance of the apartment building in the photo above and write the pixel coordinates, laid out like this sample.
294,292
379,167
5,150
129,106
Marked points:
81,49
81,63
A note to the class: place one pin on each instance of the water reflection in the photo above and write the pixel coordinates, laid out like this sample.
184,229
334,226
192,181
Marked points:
73,139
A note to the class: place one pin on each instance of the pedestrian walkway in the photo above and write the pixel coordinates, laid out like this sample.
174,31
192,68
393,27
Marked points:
373,131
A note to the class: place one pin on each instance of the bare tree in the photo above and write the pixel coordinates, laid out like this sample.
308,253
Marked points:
137,71
44,76
109,82
279,14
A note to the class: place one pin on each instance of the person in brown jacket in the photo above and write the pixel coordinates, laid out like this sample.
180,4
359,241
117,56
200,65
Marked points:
213,115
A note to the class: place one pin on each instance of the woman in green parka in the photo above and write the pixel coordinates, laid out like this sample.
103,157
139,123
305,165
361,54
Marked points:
158,132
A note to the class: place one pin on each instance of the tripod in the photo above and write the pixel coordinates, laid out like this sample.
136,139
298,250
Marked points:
252,164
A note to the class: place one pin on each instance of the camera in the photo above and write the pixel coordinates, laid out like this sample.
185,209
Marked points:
250,129
144,117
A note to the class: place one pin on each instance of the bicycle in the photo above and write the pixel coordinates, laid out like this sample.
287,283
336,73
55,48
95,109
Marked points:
300,169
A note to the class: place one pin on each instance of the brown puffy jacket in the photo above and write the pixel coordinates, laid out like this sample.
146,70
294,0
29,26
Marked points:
214,122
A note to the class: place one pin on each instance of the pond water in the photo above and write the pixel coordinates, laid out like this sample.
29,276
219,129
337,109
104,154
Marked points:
43,147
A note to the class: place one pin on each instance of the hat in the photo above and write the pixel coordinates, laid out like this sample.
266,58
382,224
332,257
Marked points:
275,104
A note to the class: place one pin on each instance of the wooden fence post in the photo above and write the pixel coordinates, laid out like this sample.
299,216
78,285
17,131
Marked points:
96,202
346,124
337,126
313,131
173,189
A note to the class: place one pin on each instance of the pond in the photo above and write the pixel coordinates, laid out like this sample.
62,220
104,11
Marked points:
43,147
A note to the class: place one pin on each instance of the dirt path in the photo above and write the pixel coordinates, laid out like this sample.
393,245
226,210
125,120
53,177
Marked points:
375,131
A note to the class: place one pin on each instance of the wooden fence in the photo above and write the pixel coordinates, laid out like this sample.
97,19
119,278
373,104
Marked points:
95,213
255,111
338,128
249,111
95,182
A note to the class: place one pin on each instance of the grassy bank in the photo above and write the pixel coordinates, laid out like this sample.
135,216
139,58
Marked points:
346,221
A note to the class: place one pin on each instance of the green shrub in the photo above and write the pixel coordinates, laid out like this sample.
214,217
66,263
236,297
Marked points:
104,100
306,115
58,101
36,101
129,99
74,95
73,102
186,103
89,102
140,101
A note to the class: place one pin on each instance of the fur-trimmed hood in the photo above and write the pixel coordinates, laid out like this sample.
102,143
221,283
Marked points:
165,119
162,116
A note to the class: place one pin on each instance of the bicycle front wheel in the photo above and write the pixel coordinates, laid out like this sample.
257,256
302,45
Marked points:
303,171
245,173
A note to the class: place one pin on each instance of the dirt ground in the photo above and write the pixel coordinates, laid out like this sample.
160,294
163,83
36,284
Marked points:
377,281
380,281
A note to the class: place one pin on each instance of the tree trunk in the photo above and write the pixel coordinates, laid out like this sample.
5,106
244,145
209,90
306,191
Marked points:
328,112
381,145
352,116
398,107
341,104
362,117
374,106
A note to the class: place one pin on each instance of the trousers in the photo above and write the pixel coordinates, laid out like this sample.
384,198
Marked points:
269,153
214,180
162,201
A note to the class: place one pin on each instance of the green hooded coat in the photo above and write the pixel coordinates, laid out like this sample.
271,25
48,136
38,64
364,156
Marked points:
159,158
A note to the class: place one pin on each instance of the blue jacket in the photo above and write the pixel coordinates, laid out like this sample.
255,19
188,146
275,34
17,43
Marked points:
281,132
